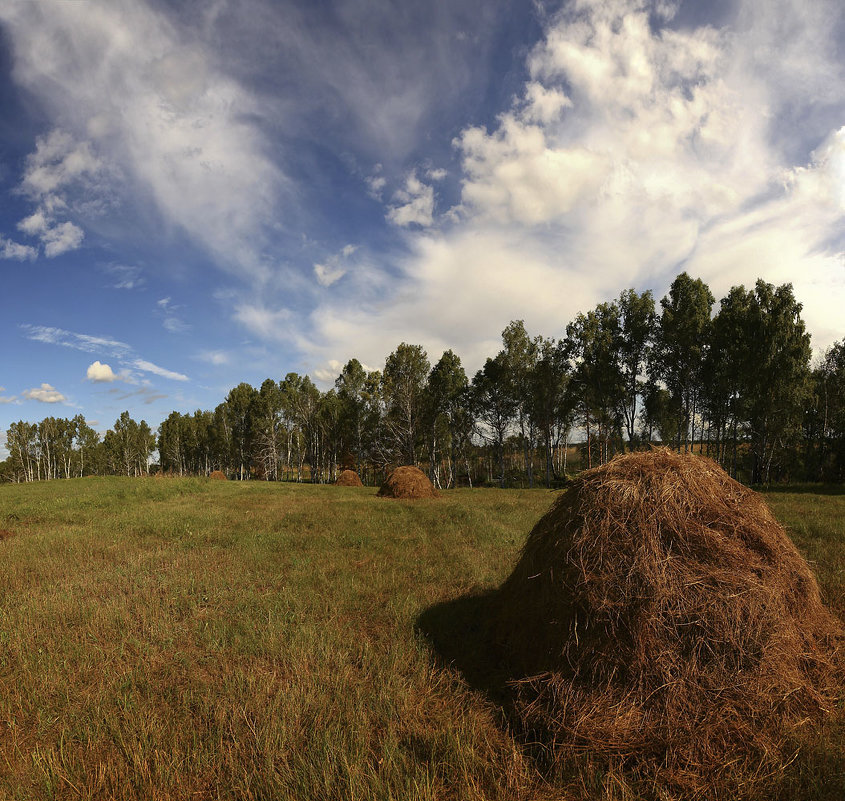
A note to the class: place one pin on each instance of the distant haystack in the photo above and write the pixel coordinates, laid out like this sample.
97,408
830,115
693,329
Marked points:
661,620
349,478
218,475
408,482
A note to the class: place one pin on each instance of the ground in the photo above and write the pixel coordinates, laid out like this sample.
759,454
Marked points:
182,638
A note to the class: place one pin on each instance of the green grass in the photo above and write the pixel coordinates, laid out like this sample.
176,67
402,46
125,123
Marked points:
189,639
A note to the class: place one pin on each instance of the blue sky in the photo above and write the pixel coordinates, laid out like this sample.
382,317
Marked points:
196,194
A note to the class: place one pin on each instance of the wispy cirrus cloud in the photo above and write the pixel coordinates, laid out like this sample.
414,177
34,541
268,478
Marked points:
132,87
87,343
71,339
149,367
170,314
7,398
146,395
125,276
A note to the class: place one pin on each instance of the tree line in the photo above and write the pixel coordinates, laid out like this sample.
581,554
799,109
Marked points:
736,383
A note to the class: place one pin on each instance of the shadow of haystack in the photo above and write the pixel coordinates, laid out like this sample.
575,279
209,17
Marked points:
659,625
461,634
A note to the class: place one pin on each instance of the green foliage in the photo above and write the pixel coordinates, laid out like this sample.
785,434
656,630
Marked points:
737,386
403,389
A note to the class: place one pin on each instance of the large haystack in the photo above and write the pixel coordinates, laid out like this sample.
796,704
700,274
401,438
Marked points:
664,623
349,478
408,482
218,475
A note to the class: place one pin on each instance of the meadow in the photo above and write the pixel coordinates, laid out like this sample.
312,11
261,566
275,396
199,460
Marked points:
190,639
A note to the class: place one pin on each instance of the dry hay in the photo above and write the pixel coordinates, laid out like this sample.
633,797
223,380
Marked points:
349,478
218,475
666,628
408,482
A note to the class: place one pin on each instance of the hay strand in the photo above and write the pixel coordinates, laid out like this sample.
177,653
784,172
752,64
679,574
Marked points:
407,482
660,618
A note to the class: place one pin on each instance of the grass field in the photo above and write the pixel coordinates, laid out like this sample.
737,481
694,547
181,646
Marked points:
189,639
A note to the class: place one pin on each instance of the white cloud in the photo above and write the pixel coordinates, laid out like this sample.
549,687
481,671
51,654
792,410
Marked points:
543,105
414,204
70,339
335,267
58,163
125,276
100,373
152,103
264,322
14,250
215,357
633,152
171,319
124,353
149,367
376,184
330,372
34,225
44,394
7,398
61,238
327,275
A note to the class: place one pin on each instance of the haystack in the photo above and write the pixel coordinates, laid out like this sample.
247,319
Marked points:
218,475
408,482
349,478
663,622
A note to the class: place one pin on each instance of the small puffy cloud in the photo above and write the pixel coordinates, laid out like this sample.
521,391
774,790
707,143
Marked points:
13,250
6,398
437,175
62,238
414,204
58,163
149,367
44,394
100,373
35,224
58,160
